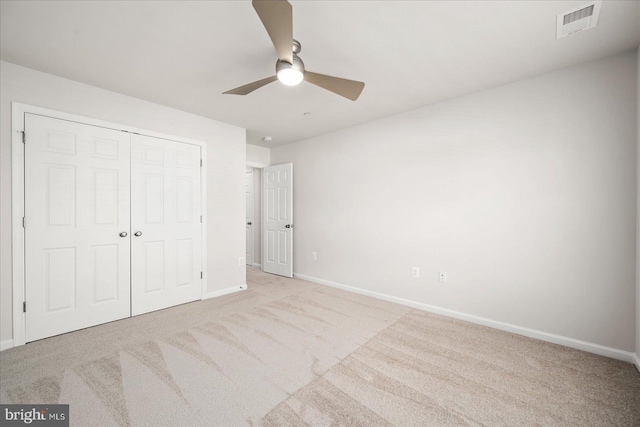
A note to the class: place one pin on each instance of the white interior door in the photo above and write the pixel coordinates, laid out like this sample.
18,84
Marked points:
249,216
166,242
277,224
77,224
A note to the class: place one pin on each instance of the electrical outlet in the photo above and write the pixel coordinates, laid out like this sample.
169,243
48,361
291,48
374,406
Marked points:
415,272
314,256
442,276
240,261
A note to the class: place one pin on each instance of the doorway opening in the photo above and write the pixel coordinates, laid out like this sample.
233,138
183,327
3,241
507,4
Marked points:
253,223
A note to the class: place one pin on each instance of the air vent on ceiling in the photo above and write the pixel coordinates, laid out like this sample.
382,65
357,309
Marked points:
578,19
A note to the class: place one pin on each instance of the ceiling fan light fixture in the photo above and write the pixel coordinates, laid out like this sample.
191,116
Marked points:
290,74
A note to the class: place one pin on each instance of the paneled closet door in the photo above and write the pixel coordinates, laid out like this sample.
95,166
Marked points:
77,226
166,242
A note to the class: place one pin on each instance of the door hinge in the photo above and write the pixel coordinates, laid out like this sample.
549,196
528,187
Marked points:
24,307
200,219
24,137
201,275
24,222
200,162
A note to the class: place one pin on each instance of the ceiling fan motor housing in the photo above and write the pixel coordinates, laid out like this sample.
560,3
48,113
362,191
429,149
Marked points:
297,64
291,74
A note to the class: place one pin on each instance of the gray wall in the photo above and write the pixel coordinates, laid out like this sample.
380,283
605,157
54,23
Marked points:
226,164
256,154
524,194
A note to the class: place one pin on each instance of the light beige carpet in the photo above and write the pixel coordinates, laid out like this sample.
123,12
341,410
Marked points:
289,352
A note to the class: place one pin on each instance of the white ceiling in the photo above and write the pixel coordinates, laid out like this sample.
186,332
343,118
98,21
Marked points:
409,53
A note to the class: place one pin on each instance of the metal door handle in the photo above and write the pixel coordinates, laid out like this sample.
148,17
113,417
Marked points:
288,226
138,233
123,234
248,223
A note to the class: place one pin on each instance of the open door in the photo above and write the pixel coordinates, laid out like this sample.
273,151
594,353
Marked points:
277,224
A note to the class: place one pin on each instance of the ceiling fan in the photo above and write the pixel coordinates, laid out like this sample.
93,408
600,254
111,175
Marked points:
277,18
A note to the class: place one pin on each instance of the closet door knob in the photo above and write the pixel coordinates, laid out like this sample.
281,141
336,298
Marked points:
123,234
138,233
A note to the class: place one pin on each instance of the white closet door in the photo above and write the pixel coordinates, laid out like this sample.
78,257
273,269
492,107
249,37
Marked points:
166,242
76,208
277,222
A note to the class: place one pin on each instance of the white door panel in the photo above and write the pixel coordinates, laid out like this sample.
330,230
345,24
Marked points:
76,206
277,241
166,229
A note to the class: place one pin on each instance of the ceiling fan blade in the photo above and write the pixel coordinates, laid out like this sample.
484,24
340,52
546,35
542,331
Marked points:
243,90
277,18
350,89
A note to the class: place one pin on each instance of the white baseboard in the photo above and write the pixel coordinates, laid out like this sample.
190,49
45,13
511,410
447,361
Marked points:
636,360
6,345
225,291
257,265
613,353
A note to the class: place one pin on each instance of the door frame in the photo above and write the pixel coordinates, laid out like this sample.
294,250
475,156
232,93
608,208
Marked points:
18,111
